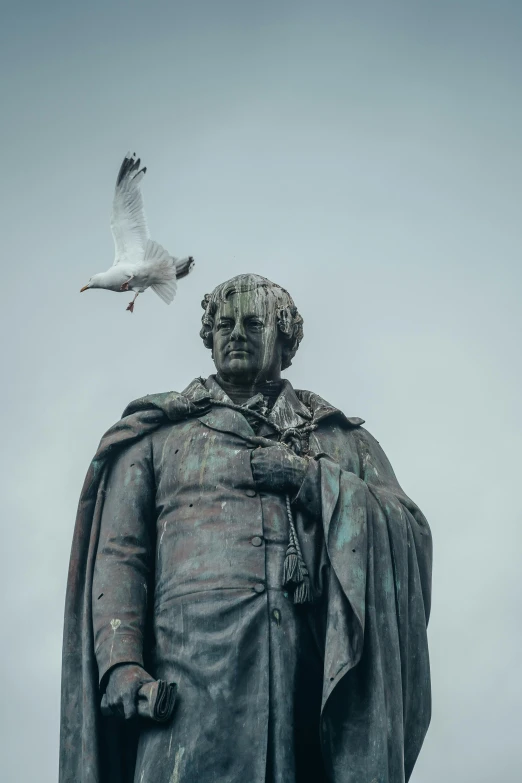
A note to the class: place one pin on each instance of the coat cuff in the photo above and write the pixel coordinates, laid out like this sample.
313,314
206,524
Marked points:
119,648
308,498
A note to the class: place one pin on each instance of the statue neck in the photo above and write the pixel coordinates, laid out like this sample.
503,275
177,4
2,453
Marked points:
239,394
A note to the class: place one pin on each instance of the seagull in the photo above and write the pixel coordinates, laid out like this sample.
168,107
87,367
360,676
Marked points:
139,262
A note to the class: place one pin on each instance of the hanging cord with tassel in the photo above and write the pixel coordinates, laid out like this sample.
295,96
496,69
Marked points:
295,573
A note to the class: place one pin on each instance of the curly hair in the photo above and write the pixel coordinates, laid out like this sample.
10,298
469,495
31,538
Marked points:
289,321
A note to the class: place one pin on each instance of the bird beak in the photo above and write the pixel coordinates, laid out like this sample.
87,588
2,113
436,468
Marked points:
85,287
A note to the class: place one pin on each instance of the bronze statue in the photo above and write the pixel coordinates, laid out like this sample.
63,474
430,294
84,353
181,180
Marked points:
248,545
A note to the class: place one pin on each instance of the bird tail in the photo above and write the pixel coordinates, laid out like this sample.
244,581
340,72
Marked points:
183,266
165,290
164,275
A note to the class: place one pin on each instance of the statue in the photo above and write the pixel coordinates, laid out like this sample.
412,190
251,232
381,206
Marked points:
250,543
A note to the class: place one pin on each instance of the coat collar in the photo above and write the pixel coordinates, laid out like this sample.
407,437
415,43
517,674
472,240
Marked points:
221,418
293,408
287,411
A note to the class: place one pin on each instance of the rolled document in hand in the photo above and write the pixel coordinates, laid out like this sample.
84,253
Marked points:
156,701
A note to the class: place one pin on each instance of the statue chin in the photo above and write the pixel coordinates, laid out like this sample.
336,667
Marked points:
239,370
243,376
241,367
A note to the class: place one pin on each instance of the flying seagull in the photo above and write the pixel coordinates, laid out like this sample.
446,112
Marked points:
139,262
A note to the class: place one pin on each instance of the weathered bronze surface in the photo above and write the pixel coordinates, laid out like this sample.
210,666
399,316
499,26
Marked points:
249,543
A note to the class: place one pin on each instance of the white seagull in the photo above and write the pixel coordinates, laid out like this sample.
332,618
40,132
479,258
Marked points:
139,262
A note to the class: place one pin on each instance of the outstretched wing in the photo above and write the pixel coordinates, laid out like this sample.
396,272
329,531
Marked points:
128,223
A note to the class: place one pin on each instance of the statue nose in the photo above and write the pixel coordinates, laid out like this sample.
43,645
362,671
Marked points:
237,333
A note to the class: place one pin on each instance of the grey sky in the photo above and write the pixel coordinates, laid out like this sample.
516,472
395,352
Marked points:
367,156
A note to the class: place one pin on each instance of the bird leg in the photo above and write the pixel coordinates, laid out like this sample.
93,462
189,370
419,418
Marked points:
130,306
125,286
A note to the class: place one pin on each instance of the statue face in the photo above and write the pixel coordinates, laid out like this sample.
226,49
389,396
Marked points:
247,346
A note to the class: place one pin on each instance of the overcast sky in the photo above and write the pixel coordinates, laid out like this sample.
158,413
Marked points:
364,155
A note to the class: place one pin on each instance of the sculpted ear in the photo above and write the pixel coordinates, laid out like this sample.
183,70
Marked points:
290,324
208,321
284,325
285,321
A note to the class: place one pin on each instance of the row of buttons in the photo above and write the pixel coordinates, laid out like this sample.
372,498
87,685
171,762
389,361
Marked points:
255,541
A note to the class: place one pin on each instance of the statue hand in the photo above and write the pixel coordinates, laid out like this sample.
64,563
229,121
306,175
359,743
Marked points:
125,680
277,469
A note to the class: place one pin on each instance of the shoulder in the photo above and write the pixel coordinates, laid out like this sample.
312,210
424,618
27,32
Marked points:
321,409
173,405
333,423
145,449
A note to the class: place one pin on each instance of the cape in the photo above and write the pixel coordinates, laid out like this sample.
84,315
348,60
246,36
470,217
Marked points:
376,702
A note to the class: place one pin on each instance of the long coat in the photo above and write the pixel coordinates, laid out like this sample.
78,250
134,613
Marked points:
177,565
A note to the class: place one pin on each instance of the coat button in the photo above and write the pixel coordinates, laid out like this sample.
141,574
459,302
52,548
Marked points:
251,493
259,587
256,541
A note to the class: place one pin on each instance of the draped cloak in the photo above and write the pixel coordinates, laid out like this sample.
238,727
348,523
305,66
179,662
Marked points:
372,563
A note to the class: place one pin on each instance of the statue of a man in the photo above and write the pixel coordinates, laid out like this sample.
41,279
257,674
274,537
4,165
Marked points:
250,543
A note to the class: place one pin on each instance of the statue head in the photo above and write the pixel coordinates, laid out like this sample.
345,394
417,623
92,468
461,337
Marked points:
252,327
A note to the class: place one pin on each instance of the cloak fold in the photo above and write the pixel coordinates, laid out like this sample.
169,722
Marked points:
376,693
375,574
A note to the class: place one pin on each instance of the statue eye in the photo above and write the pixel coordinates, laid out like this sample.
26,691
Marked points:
224,325
255,325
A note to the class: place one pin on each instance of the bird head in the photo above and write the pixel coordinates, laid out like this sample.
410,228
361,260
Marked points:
94,282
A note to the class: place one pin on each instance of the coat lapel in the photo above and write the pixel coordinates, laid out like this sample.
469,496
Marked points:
288,411
225,419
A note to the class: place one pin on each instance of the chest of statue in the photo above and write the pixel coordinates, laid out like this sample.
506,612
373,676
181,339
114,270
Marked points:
214,531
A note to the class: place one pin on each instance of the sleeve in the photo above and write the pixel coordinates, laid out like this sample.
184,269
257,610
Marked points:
124,559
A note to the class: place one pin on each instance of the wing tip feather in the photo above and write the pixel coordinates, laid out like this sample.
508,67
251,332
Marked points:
130,165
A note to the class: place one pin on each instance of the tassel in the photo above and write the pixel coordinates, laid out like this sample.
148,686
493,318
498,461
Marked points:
291,565
302,593
295,572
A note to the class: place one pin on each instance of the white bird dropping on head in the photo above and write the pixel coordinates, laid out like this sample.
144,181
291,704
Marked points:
139,262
